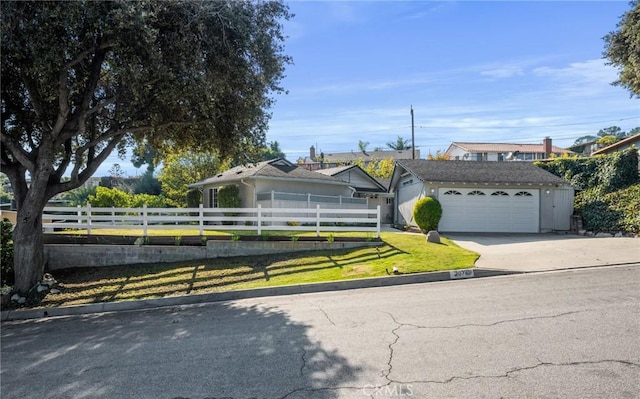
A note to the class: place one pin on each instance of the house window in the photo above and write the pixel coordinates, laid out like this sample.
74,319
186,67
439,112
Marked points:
213,198
477,156
523,194
389,201
476,192
500,193
453,192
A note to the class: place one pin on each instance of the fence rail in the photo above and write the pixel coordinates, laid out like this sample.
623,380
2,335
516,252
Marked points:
257,219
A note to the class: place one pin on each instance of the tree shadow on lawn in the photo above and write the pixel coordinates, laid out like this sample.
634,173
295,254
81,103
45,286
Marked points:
127,282
226,349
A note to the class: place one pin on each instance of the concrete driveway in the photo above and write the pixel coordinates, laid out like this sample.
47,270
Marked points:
539,252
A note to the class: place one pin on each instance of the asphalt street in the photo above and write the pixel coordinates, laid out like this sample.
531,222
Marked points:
569,334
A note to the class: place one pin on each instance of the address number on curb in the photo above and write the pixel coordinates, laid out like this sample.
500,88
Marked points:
456,274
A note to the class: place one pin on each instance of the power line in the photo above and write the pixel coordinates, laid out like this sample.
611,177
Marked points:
527,126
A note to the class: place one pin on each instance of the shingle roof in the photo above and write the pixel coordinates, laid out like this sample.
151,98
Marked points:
505,147
334,171
369,155
273,169
479,172
339,169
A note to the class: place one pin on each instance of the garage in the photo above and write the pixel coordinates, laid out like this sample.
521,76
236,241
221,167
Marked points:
484,196
489,210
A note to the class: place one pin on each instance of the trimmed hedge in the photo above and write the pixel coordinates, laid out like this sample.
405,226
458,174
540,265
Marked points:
427,213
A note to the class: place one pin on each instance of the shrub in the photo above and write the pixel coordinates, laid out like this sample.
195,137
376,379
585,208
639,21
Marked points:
427,213
151,201
619,210
606,172
610,200
194,198
229,197
6,253
112,197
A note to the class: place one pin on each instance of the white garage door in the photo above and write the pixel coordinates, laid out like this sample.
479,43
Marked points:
490,210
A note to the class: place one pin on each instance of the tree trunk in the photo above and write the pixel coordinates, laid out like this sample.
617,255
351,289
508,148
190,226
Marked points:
28,261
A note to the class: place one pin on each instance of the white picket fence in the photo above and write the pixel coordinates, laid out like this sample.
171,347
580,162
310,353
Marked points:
257,219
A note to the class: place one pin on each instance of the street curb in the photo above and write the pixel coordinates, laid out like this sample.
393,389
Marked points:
103,307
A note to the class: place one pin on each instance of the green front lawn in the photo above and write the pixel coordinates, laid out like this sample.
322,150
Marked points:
410,253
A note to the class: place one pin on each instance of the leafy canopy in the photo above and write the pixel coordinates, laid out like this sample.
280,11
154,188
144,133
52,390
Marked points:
399,144
622,48
180,170
80,79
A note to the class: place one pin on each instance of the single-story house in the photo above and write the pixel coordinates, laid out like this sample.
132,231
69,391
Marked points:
459,151
483,196
278,183
365,186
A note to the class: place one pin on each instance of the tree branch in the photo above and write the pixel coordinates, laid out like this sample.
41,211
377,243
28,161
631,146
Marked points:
78,178
85,53
18,153
35,103
63,104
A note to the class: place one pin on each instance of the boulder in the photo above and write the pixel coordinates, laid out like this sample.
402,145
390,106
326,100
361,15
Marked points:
433,236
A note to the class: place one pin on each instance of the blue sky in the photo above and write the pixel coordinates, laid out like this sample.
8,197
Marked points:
477,71
474,71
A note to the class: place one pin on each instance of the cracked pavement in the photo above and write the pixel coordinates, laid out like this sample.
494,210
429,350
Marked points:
571,334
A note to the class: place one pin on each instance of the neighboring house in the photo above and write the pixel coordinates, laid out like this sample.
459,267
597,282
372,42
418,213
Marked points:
331,160
479,196
365,186
458,151
633,141
278,183
620,145
585,149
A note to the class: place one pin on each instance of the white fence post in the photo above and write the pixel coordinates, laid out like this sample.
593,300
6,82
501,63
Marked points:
260,219
317,220
378,221
79,213
201,219
113,215
145,222
88,219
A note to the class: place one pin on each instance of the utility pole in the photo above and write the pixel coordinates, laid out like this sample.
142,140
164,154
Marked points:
413,137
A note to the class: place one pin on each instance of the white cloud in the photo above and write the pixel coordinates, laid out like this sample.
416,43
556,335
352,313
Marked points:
507,71
587,78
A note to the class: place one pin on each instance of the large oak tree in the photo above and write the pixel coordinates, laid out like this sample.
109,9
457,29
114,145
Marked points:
82,79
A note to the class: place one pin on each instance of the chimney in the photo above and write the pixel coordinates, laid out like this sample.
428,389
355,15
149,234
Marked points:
312,153
548,148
